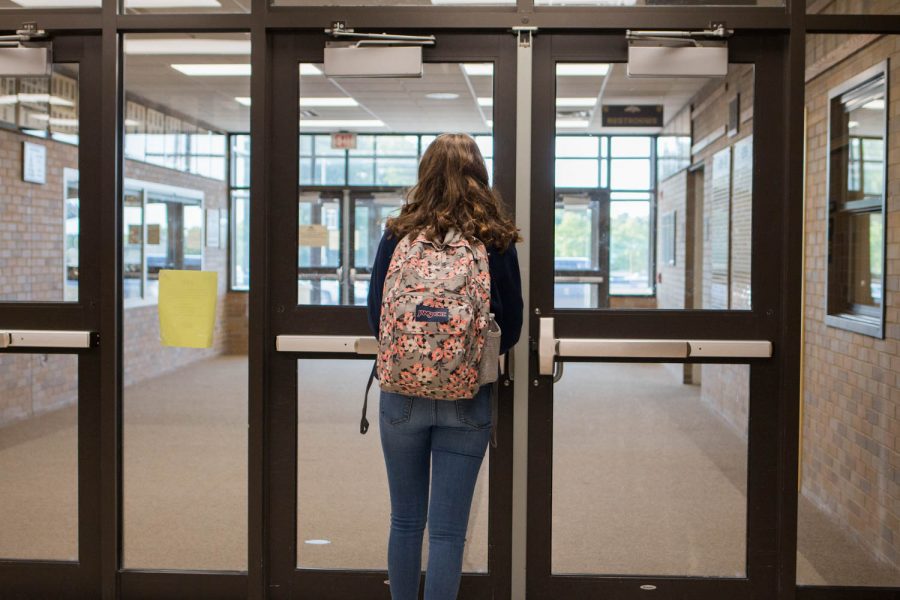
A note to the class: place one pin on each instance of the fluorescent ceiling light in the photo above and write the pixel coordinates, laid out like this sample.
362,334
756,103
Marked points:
336,123
54,120
853,124
485,102
172,4
342,101
571,123
308,69
335,101
582,69
36,99
569,102
132,123
442,96
186,46
874,105
58,3
214,70
478,69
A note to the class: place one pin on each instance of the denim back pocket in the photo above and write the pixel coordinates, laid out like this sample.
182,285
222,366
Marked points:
395,408
475,413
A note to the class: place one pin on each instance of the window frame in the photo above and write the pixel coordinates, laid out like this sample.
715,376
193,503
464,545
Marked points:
186,196
840,312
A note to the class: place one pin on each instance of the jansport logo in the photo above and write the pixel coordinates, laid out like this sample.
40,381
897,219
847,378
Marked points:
432,314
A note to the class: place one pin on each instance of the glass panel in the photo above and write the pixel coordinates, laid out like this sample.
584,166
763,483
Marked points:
661,452
335,463
49,4
39,212
632,147
185,409
240,250
39,456
848,518
853,7
638,175
133,245
188,7
629,248
334,261
639,3
510,3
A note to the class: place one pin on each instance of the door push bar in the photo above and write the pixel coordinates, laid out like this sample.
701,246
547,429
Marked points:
551,348
44,339
347,344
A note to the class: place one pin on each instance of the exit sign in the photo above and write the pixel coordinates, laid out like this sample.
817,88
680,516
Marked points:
343,141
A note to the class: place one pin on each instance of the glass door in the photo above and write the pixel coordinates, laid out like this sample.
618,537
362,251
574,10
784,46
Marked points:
660,351
50,326
344,150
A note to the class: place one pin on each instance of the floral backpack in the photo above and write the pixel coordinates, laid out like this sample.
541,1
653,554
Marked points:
435,313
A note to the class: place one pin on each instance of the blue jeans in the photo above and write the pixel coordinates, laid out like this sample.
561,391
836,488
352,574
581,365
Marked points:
451,435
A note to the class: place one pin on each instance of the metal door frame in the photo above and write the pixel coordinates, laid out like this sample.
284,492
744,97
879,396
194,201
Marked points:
79,578
769,535
286,317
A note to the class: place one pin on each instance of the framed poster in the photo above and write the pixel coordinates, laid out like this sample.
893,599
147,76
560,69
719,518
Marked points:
34,163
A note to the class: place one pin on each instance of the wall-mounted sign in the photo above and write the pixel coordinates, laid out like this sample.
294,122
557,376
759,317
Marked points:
34,163
313,235
632,115
212,227
343,140
153,234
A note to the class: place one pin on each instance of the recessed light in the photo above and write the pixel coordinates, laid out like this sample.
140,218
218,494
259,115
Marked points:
582,69
442,96
214,70
317,542
571,123
485,102
853,124
337,101
172,4
308,102
337,123
478,69
132,123
186,46
576,101
58,3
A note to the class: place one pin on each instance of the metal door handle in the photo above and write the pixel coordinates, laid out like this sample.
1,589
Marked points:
336,344
21,338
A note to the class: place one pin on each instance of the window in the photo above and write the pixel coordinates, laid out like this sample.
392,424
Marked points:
240,212
856,200
162,229
72,229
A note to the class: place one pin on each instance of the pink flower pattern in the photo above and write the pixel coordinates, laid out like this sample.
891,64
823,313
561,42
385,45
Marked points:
434,359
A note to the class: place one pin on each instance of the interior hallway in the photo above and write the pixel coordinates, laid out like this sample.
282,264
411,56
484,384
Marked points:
654,456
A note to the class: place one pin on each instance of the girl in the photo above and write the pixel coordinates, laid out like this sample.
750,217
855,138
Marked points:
452,192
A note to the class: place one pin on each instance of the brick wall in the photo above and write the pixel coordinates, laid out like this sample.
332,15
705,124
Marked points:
31,269
851,393
31,218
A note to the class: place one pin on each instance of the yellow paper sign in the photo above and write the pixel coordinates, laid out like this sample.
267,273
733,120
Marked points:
187,308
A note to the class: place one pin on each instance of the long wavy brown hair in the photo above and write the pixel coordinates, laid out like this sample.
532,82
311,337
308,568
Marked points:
453,192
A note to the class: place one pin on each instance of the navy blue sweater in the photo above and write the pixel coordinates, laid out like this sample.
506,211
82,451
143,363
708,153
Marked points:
506,289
